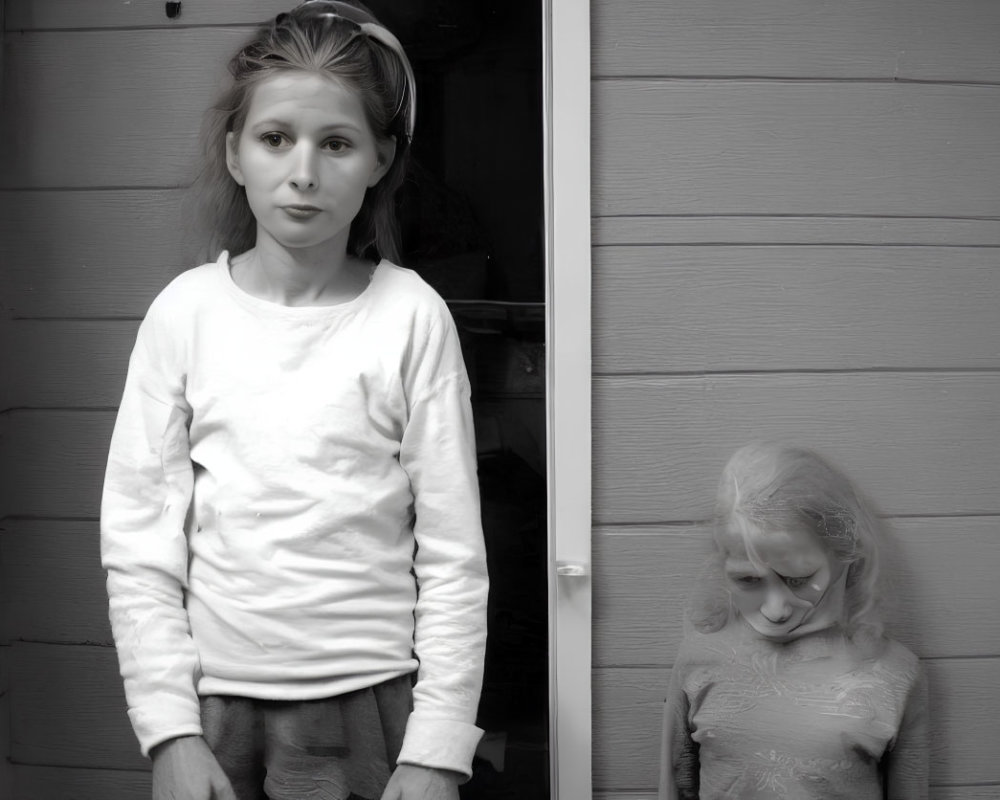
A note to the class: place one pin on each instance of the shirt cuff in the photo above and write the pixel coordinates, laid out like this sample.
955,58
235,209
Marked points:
153,729
440,743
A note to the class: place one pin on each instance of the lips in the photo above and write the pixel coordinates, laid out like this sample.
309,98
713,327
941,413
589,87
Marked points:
772,630
301,211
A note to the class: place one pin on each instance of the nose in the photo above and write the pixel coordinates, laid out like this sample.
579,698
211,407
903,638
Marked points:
304,173
776,607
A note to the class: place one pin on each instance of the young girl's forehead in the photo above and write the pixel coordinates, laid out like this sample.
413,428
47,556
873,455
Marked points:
298,83
784,545
306,96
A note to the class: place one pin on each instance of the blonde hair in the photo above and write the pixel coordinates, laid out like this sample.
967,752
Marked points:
315,37
768,486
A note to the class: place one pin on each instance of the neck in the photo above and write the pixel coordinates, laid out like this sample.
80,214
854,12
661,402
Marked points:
321,275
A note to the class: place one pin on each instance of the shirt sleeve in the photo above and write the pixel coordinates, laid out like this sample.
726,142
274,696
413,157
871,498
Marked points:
679,766
147,492
439,455
906,762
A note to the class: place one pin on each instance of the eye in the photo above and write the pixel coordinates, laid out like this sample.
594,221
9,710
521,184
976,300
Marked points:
797,583
746,581
273,139
336,145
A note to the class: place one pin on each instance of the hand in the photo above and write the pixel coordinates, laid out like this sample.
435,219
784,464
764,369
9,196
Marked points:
410,782
185,769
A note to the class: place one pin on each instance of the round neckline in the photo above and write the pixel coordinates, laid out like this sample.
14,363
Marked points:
274,309
805,647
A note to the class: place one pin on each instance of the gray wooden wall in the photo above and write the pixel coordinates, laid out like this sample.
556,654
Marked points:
102,103
796,228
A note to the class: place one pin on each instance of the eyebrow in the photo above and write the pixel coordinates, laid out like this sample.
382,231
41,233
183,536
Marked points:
741,567
271,122
281,123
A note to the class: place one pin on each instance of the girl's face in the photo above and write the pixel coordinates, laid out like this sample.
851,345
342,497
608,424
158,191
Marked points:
781,588
306,156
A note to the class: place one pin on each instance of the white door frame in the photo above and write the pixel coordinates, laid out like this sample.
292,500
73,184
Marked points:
566,78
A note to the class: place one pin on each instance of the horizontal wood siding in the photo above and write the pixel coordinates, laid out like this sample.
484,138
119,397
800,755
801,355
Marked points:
718,308
6,775
5,769
48,15
86,254
937,793
920,443
68,708
70,363
60,458
796,229
33,783
923,40
791,147
760,229
51,570
150,97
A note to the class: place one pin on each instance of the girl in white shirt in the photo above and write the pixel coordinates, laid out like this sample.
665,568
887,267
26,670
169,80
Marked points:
290,520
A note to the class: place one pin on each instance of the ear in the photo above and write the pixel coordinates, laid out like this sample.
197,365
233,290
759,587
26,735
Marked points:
386,149
233,159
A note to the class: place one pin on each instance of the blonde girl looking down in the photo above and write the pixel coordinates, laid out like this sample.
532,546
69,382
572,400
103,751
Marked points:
785,685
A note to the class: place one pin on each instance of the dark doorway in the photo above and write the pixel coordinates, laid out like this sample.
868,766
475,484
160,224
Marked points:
473,225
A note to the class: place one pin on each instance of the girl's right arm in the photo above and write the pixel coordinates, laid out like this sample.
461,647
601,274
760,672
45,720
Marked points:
147,493
679,769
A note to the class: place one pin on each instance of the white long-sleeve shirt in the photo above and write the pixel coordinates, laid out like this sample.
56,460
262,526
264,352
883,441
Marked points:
291,508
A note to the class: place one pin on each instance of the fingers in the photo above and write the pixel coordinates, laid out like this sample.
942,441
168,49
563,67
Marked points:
392,789
222,789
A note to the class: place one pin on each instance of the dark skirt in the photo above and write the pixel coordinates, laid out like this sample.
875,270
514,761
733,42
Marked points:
335,748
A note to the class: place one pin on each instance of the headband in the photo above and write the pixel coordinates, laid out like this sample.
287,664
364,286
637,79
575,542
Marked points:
374,29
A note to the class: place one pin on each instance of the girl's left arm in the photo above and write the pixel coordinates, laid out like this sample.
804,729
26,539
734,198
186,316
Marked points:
439,454
905,764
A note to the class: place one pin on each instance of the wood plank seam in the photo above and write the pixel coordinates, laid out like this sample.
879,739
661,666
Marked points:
812,79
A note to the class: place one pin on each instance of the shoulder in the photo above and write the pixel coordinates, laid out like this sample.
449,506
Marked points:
402,301
898,672
700,649
170,319
187,291
896,655
403,289
900,662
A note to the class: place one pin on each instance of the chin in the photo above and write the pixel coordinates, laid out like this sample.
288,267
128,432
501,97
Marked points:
300,242
297,236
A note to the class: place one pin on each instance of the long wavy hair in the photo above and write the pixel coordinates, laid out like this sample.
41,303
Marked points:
315,38
769,486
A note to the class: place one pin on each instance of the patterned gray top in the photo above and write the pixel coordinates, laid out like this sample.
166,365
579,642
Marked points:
812,718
